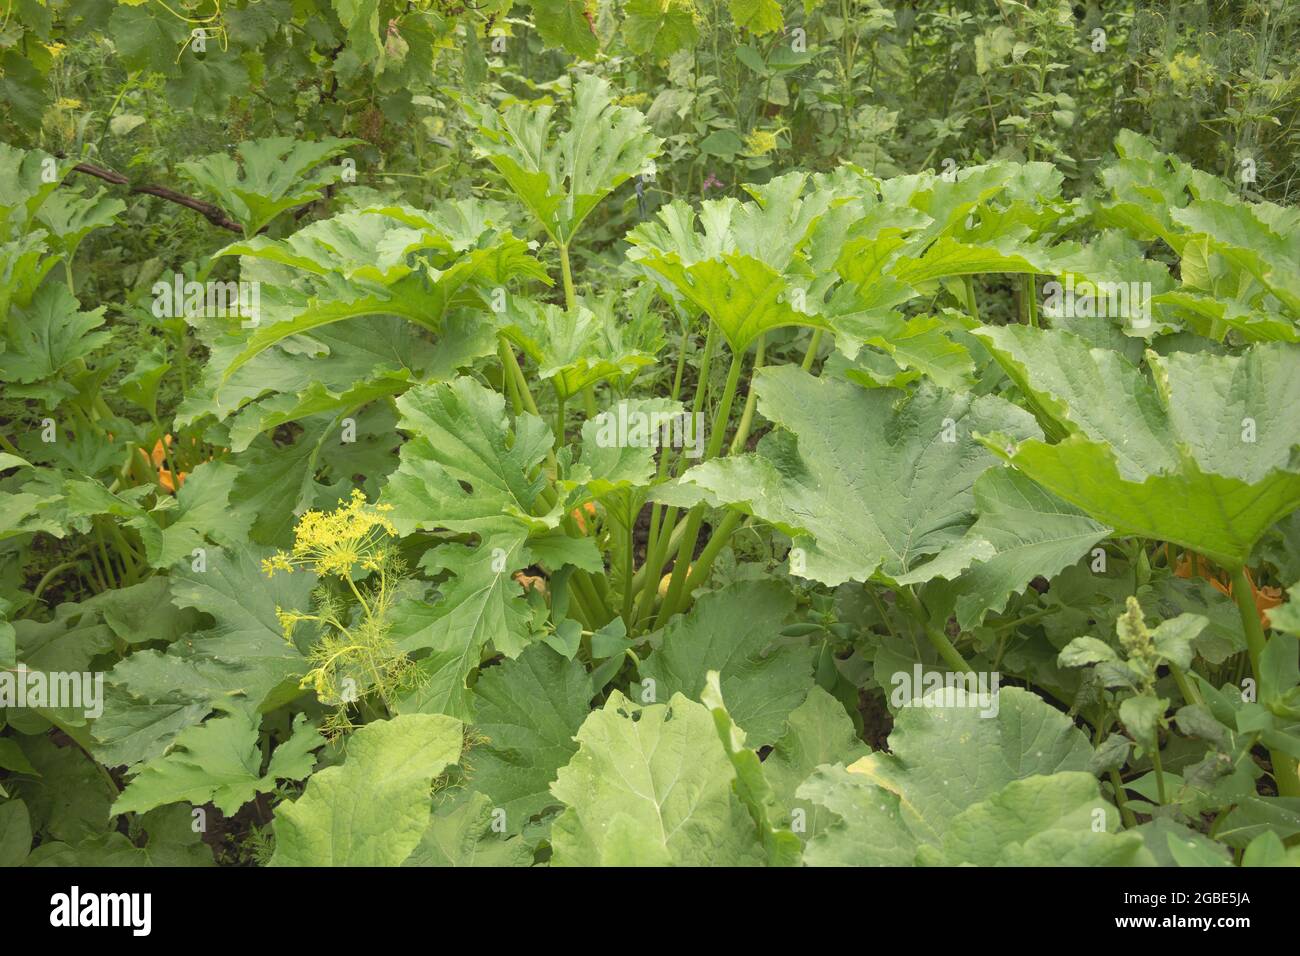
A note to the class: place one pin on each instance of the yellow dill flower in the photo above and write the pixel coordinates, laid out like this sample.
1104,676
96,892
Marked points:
634,99
276,562
335,542
1187,70
288,620
760,142
352,656
67,103
54,49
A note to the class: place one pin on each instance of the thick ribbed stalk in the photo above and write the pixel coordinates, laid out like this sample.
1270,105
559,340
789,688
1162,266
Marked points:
811,354
972,305
559,418
508,382
681,567
509,359
747,416
1125,811
951,656
663,543
717,541
1159,771
1284,767
566,273
674,538
598,613
628,557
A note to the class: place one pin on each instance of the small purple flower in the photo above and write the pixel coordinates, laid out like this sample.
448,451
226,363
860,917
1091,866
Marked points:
711,182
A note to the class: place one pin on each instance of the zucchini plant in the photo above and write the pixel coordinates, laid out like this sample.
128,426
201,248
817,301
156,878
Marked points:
845,516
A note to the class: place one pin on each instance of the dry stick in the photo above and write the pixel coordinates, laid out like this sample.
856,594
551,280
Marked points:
210,211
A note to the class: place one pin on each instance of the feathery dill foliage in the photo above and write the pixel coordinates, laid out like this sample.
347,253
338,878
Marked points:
355,665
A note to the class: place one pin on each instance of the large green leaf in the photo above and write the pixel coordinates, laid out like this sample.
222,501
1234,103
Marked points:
219,762
941,759
68,217
1202,456
870,482
919,343
562,176
44,338
619,447
273,175
15,833
480,607
1032,532
757,16
651,786
747,265
382,261
817,732
198,513
1067,383
1145,187
528,710
464,468
572,350
463,831
30,178
660,27
1236,267
1237,232
24,264
958,787
1039,821
334,368
67,795
734,632
567,24
949,256
153,696
372,809
783,848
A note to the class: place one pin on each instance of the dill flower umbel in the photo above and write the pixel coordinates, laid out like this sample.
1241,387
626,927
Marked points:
355,663
1187,71
760,142
336,542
